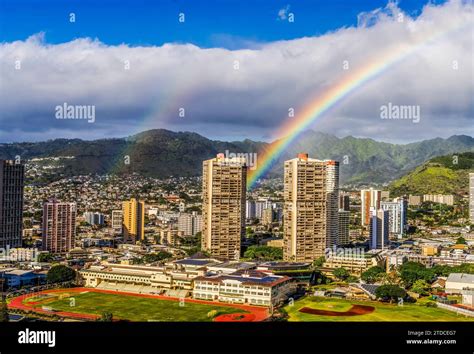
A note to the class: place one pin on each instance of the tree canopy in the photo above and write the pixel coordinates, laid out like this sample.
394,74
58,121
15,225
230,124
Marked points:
155,257
60,273
413,271
45,257
421,287
264,253
390,292
341,273
372,274
461,241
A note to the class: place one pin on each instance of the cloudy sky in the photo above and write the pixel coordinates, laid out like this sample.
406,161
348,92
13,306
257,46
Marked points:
232,69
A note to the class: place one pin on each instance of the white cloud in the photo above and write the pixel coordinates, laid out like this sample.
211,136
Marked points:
252,101
370,18
283,13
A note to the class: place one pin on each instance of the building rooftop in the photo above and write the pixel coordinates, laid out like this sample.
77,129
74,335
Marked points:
195,262
461,278
235,265
19,272
247,277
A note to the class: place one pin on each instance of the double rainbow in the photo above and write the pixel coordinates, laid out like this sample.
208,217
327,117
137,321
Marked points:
293,127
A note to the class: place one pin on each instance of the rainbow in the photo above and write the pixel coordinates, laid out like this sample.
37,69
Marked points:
313,111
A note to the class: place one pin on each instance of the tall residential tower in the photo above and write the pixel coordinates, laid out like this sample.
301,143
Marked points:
369,198
311,219
12,176
133,213
59,226
379,229
223,207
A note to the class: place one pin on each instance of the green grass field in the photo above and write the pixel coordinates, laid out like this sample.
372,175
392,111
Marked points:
135,308
383,311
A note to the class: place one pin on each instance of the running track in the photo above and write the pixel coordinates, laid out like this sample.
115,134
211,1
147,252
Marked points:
260,313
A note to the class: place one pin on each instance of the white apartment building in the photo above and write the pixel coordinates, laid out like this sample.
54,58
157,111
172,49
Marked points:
397,215
356,263
189,224
379,229
244,287
117,221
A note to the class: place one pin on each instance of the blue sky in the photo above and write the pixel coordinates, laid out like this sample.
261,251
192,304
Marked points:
209,23
138,66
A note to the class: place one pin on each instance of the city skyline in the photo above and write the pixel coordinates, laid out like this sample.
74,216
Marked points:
307,166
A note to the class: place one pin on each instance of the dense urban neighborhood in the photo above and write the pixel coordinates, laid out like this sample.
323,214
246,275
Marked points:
293,248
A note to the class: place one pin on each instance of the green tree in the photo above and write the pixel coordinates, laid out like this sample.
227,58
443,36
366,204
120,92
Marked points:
421,287
445,270
155,257
60,273
341,273
461,241
372,274
3,311
412,271
390,292
318,262
264,253
45,257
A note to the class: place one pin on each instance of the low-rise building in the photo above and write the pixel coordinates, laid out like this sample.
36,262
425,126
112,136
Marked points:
208,279
244,287
171,237
414,200
429,250
355,263
456,282
141,279
447,199
468,297
16,278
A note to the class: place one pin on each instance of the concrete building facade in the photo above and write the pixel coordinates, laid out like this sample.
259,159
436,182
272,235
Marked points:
310,213
224,201
133,226
12,181
59,226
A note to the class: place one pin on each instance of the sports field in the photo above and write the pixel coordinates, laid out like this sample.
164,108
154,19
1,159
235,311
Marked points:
310,309
89,304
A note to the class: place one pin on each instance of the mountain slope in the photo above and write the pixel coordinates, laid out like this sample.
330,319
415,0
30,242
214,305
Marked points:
162,153
363,160
440,175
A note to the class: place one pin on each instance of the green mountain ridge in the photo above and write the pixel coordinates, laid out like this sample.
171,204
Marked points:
163,153
440,175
